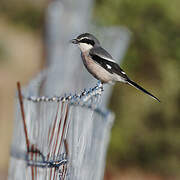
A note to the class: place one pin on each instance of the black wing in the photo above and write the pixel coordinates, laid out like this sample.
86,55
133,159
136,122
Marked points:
103,58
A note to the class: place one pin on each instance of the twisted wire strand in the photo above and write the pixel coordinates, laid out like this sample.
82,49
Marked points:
83,99
43,163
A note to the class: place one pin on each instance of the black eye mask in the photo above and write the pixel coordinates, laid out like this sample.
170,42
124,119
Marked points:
87,41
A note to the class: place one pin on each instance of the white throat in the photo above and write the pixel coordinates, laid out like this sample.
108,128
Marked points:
85,47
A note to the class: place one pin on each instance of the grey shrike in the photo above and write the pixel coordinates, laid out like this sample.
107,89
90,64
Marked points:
101,64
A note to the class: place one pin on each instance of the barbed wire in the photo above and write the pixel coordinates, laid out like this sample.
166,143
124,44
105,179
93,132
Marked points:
80,99
83,97
54,162
33,157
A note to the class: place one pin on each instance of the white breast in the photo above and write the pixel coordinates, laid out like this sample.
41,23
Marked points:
96,70
85,47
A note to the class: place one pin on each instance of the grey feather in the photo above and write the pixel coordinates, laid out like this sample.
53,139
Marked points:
103,58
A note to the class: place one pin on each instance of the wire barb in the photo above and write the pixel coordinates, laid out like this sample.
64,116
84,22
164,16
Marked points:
80,98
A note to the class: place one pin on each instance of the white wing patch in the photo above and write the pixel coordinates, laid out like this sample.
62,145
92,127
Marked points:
108,59
123,72
108,66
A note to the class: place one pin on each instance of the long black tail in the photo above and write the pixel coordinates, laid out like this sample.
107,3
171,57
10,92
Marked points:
132,83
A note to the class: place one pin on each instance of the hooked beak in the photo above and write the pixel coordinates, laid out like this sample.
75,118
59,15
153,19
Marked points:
74,41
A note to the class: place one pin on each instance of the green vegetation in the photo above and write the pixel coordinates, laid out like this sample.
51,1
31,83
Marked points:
147,133
26,15
23,13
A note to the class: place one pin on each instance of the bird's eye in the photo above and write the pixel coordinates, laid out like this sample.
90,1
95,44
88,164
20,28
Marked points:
87,41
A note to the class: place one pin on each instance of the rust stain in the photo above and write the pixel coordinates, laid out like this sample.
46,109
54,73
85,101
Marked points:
23,115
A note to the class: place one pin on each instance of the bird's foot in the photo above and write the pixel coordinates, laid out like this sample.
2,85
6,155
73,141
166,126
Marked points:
100,85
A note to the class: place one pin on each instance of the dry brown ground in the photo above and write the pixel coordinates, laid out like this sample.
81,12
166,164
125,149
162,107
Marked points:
20,62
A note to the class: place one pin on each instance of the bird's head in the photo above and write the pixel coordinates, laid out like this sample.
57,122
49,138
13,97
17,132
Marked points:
86,41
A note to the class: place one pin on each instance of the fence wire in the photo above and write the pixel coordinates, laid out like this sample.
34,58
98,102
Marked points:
63,137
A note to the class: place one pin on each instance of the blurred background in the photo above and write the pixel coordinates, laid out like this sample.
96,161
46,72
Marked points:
145,141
